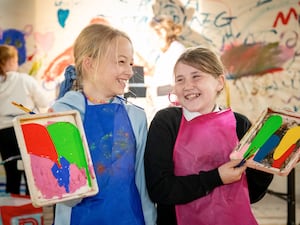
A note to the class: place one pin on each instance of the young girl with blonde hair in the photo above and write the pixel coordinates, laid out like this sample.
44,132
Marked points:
116,131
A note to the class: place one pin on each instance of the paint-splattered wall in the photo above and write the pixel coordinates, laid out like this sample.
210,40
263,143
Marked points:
258,40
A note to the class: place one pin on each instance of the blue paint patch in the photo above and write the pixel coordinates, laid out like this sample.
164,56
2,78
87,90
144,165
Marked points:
62,15
270,144
16,38
62,174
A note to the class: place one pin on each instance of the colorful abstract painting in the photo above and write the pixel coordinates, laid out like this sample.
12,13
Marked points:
56,158
255,59
273,143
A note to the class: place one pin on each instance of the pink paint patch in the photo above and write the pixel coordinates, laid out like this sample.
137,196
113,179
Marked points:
77,178
44,41
47,184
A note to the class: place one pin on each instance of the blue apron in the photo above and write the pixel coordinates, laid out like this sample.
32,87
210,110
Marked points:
112,146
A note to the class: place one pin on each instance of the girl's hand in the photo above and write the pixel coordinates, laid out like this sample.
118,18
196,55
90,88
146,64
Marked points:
229,173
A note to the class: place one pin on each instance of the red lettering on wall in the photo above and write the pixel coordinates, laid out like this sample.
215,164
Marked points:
285,20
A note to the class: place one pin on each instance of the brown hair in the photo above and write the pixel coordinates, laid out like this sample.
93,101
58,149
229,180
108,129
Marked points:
94,41
7,52
167,23
202,59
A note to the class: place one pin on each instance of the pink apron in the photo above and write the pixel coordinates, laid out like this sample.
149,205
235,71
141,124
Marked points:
202,144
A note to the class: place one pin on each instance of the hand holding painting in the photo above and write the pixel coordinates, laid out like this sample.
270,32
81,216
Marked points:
272,144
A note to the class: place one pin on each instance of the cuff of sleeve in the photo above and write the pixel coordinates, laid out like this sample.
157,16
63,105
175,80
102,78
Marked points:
211,179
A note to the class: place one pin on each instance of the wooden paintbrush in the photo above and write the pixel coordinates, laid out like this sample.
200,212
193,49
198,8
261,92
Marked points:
20,106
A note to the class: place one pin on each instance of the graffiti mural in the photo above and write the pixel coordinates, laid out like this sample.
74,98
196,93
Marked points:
257,40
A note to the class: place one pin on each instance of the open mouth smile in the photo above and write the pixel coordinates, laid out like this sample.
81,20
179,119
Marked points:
191,96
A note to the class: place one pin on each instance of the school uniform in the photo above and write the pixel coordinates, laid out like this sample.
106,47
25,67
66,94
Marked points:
182,155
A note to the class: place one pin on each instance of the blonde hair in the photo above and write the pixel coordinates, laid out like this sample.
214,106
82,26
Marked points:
94,41
7,52
202,59
165,22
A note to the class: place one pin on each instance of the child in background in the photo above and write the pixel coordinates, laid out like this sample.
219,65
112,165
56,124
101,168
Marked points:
160,84
25,90
116,132
188,170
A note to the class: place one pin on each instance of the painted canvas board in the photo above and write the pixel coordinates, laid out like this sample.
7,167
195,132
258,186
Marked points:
273,143
55,156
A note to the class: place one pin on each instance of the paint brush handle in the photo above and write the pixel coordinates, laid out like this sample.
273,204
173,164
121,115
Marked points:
240,163
20,106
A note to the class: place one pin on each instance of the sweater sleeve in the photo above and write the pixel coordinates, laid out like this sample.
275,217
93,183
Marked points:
163,186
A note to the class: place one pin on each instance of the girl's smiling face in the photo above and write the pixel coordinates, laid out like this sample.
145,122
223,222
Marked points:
112,77
109,77
196,91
